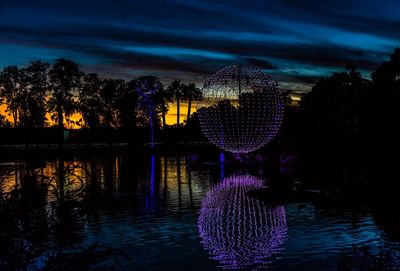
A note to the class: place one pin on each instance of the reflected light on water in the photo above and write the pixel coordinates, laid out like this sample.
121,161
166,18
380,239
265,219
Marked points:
173,213
237,230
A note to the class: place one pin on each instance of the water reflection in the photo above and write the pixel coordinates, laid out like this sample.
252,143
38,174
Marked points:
238,231
123,202
152,208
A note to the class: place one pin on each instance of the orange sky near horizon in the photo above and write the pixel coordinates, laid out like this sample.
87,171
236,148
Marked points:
170,118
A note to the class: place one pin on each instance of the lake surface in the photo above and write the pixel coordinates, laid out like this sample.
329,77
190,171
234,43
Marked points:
193,213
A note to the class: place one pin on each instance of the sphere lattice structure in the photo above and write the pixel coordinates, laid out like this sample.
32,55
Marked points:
241,109
238,231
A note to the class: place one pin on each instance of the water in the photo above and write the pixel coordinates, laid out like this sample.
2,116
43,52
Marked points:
188,213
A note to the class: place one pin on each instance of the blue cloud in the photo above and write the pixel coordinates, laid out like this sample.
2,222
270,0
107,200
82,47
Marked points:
295,41
176,52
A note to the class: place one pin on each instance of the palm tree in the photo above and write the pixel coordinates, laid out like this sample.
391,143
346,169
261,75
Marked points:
191,93
163,97
176,88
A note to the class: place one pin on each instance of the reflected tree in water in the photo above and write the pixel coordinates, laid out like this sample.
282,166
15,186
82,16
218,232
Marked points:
42,216
24,230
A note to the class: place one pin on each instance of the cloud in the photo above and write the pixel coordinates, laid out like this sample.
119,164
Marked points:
261,63
295,41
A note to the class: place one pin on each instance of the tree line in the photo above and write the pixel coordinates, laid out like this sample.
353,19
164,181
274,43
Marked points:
346,110
62,89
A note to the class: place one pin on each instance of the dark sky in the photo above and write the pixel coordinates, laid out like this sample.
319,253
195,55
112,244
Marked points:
294,41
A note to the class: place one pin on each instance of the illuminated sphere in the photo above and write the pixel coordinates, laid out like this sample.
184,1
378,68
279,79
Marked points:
241,109
238,231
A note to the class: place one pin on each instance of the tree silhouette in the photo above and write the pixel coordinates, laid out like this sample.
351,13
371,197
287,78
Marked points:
65,79
191,93
163,97
389,71
24,93
127,98
34,84
9,90
333,110
119,101
147,88
90,103
176,87
385,96
108,97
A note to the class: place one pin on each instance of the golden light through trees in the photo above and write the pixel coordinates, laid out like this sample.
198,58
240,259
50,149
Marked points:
170,117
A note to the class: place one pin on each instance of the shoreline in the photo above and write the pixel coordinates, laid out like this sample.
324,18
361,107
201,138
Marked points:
81,148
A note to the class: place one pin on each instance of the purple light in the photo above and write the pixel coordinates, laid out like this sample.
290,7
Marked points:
152,177
147,87
238,231
222,165
150,198
241,109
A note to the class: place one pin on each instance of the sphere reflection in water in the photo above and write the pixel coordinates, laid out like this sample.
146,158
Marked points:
237,230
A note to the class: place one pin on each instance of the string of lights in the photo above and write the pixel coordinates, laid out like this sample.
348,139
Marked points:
241,109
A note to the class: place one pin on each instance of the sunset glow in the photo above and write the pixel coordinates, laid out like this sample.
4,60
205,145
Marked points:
170,117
